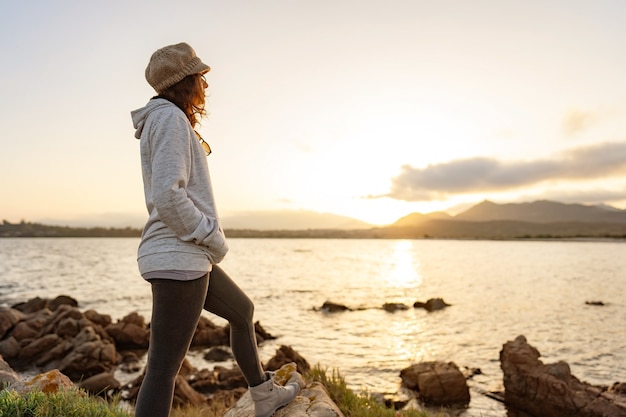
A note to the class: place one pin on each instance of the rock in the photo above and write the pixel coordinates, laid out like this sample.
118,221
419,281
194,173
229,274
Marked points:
330,307
100,384
184,394
392,307
10,347
49,382
7,375
9,317
39,346
23,331
285,355
62,300
217,355
550,390
594,303
432,304
209,334
312,401
32,305
130,333
90,355
101,319
437,383
261,334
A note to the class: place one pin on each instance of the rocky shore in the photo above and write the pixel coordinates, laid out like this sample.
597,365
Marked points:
55,338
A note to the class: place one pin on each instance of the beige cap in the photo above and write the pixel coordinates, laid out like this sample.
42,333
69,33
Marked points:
171,64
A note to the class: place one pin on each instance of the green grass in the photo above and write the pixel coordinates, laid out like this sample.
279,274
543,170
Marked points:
352,404
70,403
76,403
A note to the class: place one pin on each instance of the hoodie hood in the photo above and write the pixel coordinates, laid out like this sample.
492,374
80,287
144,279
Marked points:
140,116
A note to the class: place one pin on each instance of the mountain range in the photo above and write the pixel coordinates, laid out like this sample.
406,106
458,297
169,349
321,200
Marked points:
542,211
486,220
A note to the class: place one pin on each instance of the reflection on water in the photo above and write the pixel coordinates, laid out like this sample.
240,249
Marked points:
403,269
498,290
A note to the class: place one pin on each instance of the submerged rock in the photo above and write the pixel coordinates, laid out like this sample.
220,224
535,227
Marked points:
432,304
330,307
393,307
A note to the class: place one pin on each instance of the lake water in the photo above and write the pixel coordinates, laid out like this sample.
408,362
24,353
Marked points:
498,290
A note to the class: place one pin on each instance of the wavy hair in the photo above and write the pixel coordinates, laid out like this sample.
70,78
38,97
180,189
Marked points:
187,94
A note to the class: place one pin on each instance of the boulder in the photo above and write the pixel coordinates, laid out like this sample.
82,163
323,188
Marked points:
330,307
437,383
285,355
7,375
550,390
184,394
31,306
89,355
9,317
62,300
432,304
217,354
100,384
131,332
393,307
49,382
261,334
209,334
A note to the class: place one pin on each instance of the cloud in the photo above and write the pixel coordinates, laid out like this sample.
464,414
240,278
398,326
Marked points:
482,174
576,121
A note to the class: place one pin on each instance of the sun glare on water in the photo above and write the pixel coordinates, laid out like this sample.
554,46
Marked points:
403,272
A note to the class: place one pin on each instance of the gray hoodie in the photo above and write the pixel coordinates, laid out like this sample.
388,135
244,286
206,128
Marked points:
183,230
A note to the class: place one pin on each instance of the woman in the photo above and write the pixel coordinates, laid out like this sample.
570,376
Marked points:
182,241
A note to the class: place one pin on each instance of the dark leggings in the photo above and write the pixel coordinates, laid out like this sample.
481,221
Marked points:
176,308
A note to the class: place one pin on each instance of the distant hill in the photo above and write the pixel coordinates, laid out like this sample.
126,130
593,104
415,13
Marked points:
418,218
539,219
543,211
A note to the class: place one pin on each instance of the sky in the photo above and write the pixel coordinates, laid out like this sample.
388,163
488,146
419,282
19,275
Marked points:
370,109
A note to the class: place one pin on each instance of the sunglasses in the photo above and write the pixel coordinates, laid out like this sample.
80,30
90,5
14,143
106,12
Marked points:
204,144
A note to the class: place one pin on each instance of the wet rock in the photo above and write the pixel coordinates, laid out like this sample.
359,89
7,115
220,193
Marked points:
330,307
393,307
437,383
432,304
550,390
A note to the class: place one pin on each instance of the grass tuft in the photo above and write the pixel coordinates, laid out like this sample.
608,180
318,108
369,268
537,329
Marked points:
70,403
352,404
